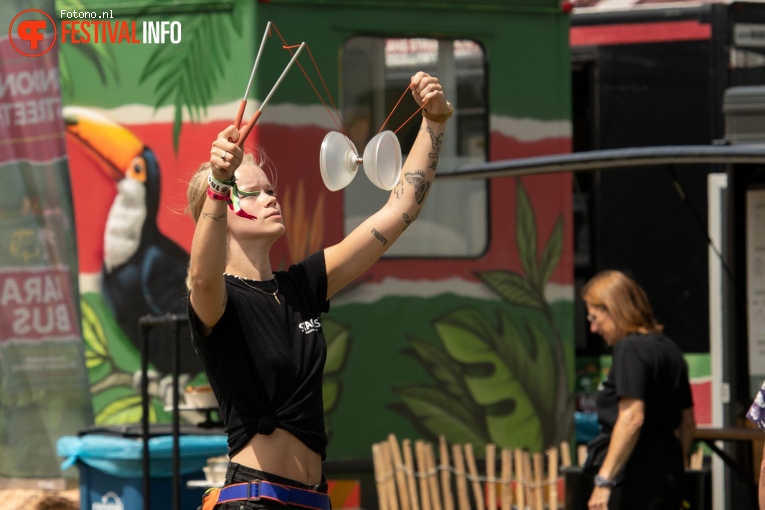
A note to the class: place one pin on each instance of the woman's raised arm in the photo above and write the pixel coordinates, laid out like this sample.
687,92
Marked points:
366,244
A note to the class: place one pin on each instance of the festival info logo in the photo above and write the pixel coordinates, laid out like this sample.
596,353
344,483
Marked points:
30,30
27,33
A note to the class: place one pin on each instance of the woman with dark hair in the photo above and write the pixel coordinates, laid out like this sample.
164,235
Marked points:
645,408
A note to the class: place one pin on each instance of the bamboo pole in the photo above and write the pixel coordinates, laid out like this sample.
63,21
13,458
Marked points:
520,479
446,476
581,454
430,462
529,478
380,475
459,465
539,467
422,469
552,476
491,479
473,470
390,480
506,492
565,453
398,464
411,486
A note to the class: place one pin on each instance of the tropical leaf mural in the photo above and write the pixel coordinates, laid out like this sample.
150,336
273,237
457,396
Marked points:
112,361
99,56
338,347
184,76
187,76
504,381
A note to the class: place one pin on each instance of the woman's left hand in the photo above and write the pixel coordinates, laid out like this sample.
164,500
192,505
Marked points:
427,89
599,498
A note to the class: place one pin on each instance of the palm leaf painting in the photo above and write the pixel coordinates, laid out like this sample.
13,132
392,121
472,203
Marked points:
180,75
338,346
187,76
501,379
112,360
100,56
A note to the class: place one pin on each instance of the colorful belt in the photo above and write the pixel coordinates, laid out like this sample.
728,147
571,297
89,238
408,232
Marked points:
258,489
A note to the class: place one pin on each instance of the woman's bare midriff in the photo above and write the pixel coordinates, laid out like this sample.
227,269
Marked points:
281,454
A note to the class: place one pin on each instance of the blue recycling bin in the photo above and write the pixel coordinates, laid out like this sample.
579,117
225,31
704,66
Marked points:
586,426
111,469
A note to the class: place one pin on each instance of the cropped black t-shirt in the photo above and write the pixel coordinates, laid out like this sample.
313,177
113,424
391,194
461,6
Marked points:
265,360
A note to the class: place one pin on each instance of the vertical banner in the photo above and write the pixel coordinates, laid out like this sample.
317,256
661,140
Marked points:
44,390
755,288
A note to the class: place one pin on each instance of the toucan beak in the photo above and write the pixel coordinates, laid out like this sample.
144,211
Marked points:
117,150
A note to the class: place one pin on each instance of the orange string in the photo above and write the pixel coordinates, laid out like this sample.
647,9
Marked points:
394,109
336,117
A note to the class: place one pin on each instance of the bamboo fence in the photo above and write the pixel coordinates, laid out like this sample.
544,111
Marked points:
408,477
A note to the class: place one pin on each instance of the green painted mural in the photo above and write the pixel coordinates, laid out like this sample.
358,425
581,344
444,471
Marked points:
479,348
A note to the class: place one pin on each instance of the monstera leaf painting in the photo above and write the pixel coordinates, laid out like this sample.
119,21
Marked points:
501,379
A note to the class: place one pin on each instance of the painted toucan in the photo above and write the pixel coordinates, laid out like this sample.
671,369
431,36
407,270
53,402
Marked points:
143,271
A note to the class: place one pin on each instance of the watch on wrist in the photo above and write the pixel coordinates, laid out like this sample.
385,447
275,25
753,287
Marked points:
601,481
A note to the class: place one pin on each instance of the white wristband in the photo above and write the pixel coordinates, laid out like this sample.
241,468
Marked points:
217,186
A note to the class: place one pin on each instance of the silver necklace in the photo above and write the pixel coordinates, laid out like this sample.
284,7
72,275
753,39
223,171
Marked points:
273,278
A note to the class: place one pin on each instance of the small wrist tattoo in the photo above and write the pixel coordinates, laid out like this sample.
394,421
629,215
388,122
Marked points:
213,217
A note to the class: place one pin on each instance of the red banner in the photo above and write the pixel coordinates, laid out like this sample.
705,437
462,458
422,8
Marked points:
30,106
36,304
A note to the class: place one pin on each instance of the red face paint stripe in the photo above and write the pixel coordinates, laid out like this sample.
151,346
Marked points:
631,33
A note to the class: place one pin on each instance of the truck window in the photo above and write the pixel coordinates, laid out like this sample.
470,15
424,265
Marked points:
375,74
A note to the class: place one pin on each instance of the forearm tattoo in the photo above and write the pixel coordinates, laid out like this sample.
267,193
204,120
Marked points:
435,144
421,185
379,236
398,190
408,220
213,217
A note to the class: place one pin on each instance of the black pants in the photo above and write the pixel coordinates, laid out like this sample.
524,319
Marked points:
236,473
625,496
645,497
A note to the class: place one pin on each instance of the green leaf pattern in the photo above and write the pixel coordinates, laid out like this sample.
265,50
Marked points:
182,76
506,381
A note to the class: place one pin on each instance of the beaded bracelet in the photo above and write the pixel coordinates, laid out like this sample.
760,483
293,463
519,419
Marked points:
220,187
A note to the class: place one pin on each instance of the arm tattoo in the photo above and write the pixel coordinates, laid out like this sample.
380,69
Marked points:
398,191
435,143
213,217
379,236
421,185
408,220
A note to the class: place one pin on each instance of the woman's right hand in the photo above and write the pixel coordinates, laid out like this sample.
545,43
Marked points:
225,154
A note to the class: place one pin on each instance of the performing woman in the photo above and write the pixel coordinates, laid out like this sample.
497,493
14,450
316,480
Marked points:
258,332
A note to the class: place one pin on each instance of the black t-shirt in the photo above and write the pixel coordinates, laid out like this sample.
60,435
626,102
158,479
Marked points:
265,360
650,368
